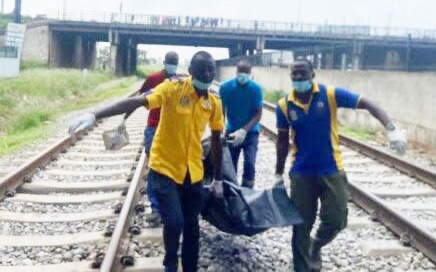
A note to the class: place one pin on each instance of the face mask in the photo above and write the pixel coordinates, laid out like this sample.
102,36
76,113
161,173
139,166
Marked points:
243,78
302,86
201,85
170,69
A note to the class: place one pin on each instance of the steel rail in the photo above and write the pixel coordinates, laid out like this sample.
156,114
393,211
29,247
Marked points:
409,233
118,244
17,177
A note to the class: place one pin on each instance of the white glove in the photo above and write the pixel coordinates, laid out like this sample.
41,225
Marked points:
85,121
397,141
216,187
279,180
238,137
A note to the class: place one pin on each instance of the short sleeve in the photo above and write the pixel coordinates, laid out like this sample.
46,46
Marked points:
346,98
216,119
259,97
159,95
282,122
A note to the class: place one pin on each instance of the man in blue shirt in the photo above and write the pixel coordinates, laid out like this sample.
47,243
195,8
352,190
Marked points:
242,102
317,172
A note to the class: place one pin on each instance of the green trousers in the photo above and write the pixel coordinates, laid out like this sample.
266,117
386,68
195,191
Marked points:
331,190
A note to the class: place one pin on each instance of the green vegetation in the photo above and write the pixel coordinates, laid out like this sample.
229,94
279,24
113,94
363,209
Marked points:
7,18
31,64
359,133
273,96
144,70
29,103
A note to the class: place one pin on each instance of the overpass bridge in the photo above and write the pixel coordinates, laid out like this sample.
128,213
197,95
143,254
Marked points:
68,39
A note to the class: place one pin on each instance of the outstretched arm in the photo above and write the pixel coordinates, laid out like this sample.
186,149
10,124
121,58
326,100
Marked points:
375,111
128,106
396,138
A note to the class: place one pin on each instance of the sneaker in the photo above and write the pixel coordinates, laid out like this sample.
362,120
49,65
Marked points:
153,217
248,184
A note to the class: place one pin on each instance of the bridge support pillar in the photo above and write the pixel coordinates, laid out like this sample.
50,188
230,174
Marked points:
123,54
357,58
235,50
260,44
329,59
84,53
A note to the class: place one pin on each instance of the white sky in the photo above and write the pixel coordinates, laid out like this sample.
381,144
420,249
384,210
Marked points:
394,13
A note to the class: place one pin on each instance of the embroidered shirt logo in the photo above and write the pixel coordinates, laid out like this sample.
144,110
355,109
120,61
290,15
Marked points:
206,104
293,115
320,105
184,101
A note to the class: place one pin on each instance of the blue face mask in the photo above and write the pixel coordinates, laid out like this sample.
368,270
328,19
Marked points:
201,85
242,78
170,69
302,86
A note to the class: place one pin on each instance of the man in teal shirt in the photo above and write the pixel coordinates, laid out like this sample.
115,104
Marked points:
242,102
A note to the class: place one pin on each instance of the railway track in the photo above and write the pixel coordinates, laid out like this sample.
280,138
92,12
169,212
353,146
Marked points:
399,194
61,215
65,214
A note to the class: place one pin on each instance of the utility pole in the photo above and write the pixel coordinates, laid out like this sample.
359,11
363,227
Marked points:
299,11
65,9
17,12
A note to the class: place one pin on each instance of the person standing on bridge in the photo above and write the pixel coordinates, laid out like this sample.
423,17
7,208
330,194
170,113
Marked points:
242,101
176,168
317,172
170,67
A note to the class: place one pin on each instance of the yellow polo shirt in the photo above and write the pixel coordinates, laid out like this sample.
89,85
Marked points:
176,145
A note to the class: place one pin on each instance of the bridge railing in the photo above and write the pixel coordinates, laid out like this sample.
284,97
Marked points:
241,26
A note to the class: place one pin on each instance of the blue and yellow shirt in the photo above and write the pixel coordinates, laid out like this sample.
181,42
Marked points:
241,103
314,129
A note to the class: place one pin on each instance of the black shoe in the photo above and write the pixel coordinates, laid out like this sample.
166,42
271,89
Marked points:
315,262
170,268
248,184
153,217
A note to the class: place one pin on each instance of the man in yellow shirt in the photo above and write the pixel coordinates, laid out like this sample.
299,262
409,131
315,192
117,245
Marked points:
176,169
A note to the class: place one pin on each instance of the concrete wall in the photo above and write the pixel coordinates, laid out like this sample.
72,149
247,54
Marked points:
36,44
409,98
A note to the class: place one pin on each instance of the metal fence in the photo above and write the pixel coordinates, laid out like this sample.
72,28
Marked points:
260,27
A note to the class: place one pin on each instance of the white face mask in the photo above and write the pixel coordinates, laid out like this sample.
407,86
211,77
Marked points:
302,86
243,78
171,69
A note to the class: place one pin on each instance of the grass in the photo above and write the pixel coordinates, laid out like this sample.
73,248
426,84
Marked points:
359,133
7,18
31,64
30,103
273,96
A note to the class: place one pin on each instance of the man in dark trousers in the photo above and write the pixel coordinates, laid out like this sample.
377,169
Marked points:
170,68
317,172
243,101
176,168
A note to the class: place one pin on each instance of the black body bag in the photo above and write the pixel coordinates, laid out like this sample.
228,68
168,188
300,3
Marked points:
242,210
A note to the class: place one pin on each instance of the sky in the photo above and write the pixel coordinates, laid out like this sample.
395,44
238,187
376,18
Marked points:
392,13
